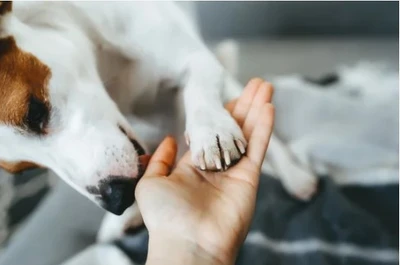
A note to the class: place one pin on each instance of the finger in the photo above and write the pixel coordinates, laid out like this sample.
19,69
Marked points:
263,95
163,159
245,101
261,134
230,106
270,93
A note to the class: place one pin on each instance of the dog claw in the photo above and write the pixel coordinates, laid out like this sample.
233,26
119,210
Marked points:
217,161
202,163
241,147
227,158
219,142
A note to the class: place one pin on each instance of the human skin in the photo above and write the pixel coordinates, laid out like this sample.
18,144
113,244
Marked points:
198,217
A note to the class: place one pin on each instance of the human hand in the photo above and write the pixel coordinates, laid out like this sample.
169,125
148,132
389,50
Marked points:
197,217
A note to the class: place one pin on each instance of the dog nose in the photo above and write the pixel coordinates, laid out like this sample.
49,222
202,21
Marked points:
118,194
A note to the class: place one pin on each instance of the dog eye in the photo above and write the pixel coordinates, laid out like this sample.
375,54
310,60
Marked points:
37,116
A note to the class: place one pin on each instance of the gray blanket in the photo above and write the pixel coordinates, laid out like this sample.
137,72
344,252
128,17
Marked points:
350,225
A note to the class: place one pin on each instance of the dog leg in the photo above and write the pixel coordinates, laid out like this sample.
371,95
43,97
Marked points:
216,140
100,255
227,142
298,180
179,54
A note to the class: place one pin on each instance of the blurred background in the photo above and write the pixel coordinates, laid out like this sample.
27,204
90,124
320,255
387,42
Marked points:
304,37
298,18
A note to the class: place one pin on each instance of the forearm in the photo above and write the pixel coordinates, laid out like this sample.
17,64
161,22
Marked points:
173,251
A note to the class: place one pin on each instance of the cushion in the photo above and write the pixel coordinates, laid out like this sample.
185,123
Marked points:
19,196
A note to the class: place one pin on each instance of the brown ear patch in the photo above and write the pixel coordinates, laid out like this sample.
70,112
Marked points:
17,167
22,76
5,7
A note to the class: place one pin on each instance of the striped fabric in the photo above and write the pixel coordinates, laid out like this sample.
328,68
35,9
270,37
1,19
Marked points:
19,196
339,226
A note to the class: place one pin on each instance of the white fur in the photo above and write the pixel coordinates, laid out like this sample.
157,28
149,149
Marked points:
348,131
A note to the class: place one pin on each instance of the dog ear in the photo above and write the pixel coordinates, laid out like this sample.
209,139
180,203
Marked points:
13,167
17,167
5,7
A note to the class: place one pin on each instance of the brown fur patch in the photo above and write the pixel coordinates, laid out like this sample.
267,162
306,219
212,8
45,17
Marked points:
21,76
17,167
5,7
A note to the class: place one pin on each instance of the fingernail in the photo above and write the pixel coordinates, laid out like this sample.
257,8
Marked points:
256,80
169,138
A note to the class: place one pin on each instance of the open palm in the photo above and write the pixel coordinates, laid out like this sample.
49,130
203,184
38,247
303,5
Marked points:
213,209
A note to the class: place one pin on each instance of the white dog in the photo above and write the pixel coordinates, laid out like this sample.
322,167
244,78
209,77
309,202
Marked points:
347,130
76,76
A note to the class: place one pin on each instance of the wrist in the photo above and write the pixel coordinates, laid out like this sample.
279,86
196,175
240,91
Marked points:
170,249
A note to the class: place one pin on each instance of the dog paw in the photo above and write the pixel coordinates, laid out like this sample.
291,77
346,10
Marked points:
216,144
302,184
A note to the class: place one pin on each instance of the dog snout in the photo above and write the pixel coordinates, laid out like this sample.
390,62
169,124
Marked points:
118,194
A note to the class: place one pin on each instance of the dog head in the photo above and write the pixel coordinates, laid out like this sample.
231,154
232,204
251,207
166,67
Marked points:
55,113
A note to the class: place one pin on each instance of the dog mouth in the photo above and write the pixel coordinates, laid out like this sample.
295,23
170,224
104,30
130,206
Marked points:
117,193
142,165
143,158
143,161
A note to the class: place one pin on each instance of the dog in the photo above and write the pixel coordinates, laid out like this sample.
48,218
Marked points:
77,77
350,127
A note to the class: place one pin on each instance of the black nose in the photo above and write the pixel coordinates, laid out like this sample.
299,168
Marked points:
118,194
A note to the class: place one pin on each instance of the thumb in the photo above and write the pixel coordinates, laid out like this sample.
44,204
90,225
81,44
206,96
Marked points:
163,159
